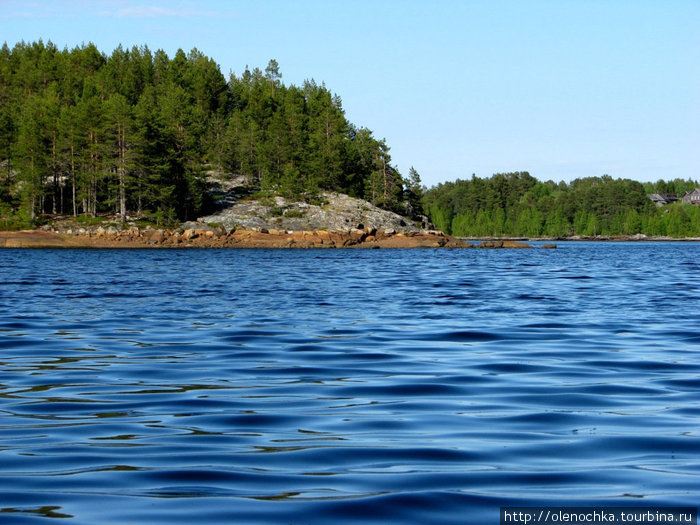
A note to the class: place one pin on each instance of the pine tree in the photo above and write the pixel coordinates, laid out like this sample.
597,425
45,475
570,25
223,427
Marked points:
31,152
413,194
117,113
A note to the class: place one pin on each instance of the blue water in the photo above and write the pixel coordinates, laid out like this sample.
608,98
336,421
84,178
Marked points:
419,386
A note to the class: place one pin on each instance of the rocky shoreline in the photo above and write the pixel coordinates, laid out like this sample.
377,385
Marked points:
219,237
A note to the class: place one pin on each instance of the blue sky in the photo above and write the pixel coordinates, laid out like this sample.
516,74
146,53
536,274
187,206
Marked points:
560,88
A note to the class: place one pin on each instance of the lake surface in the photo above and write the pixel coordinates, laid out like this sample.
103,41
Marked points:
341,386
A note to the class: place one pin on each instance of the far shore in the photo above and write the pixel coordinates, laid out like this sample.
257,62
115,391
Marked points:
592,238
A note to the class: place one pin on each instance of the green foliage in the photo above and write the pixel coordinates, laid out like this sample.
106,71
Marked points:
163,217
315,199
11,221
86,133
413,194
516,204
89,220
442,219
264,199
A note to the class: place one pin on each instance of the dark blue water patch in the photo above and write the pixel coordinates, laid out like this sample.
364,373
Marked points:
468,336
688,384
551,420
401,390
511,368
672,447
691,338
22,282
259,421
548,325
16,341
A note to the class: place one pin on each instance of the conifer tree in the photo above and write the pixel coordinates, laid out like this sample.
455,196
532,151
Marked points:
88,133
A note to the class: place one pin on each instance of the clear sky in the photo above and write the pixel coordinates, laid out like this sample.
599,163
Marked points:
560,88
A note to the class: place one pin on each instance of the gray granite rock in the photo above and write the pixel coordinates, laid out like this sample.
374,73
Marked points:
336,212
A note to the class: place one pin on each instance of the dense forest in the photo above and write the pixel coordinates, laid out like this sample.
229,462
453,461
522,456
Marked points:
135,133
517,204
84,133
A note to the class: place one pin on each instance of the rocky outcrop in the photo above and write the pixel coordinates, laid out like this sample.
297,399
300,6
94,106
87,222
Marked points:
330,211
503,244
367,239
31,239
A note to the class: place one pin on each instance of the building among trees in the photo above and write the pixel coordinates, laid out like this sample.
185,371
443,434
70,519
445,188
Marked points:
662,199
692,197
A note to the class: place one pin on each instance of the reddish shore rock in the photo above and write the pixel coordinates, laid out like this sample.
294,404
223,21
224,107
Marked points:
157,237
212,238
31,239
503,244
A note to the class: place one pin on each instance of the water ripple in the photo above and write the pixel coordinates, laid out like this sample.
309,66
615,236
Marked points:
406,386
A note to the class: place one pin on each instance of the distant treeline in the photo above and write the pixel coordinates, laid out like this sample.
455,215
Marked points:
517,204
85,133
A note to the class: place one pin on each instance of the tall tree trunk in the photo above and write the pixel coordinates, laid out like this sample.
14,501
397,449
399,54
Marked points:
122,174
386,182
72,170
55,173
32,204
92,203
